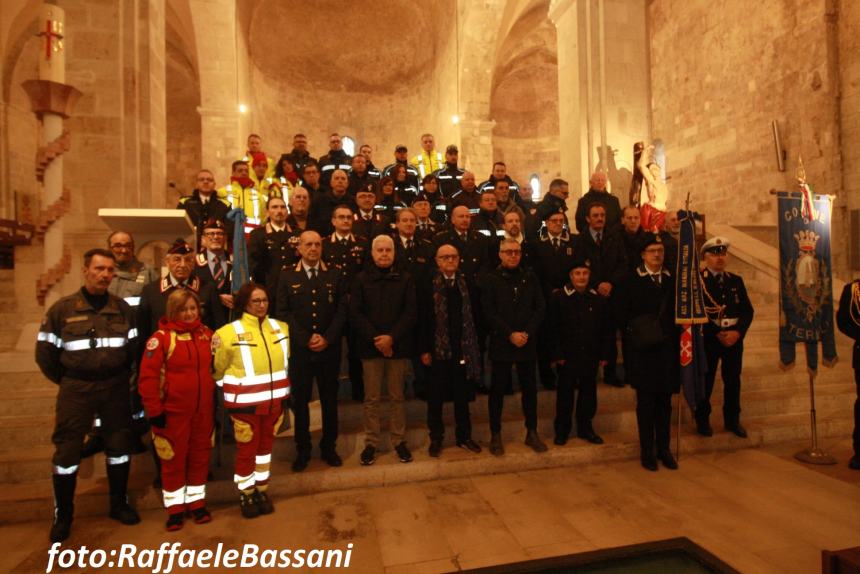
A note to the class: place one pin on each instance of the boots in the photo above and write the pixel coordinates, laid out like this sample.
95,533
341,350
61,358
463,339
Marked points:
118,480
534,441
64,505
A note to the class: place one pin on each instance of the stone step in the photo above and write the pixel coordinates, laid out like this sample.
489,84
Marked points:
33,500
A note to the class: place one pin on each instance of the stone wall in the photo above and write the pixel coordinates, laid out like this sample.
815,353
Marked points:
183,123
718,79
849,112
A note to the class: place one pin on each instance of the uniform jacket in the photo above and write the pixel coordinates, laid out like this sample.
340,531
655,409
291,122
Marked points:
655,369
383,303
553,265
551,204
271,250
489,223
581,328
346,258
299,159
250,199
153,305
251,362
604,198
608,261
470,199
473,252
128,283
633,248
511,300
357,182
490,183
203,272
322,208
848,317
419,260
200,212
175,370
335,159
368,230
79,343
733,295
428,162
312,306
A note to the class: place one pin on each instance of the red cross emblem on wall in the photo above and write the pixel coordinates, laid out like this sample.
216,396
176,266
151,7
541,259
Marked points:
53,31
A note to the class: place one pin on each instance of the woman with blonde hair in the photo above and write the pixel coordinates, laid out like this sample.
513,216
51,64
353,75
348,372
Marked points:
177,390
251,356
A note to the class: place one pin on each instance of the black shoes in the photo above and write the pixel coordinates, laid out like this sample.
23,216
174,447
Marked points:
559,440
469,445
301,462
649,463
121,511
435,448
703,427
854,463
403,452
534,441
668,460
737,429
496,446
175,521
64,509
248,505
331,458
591,437
264,505
201,515
368,455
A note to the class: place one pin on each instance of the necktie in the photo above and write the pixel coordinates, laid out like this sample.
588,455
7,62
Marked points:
720,279
368,217
656,278
409,244
218,275
342,241
555,243
450,282
463,237
598,239
313,274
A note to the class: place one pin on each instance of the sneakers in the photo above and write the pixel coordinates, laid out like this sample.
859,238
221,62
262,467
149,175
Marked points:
248,505
403,452
534,441
496,447
368,455
201,515
174,522
469,445
435,448
264,505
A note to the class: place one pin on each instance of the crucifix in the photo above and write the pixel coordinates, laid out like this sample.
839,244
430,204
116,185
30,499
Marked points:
53,31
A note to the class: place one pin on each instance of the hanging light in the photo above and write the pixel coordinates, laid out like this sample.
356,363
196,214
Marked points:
243,108
455,119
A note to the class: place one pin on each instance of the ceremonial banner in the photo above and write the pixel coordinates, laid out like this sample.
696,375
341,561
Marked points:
690,312
241,273
806,288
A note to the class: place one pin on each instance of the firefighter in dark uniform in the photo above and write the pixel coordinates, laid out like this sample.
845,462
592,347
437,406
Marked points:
553,256
724,336
312,303
345,254
579,320
848,321
449,176
87,344
644,309
272,248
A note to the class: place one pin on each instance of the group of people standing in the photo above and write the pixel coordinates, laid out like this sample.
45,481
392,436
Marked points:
456,286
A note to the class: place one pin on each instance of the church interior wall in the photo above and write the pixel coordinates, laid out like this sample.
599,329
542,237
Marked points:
849,111
183,120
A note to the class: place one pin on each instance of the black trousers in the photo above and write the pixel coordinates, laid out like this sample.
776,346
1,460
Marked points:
302,375
356,371
612,359
730,361
547,375
501,380
448,375
77,404
856,436
575,384
654,419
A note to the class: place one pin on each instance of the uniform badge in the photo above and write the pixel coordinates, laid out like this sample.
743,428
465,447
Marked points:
140,278
216,343
246,336
569,251
152,344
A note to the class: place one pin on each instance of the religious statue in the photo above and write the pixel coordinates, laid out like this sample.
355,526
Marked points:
636,183
653,211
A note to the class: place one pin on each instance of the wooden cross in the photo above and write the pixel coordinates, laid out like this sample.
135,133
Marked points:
53,31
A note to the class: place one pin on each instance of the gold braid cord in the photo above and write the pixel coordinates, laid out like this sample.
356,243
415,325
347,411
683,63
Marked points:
53,275
46,154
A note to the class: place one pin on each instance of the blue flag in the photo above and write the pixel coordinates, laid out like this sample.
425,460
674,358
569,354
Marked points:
806,284
690,312
240,274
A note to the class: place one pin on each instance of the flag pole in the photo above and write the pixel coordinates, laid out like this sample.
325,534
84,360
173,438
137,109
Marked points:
681,391
814,454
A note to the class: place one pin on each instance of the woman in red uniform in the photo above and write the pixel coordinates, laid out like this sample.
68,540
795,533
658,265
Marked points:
177,389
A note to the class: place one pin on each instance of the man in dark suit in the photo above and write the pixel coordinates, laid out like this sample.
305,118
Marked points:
471,245
312,303
214,265
848,321
272,247
644,308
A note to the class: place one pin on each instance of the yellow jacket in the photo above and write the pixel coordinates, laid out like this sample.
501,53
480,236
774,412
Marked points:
252,361
270,167
251,199
428,162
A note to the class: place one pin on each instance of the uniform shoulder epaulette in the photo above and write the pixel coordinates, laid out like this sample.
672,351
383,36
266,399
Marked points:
201,259
593,292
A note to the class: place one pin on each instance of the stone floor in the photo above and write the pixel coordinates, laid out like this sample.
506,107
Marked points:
757,509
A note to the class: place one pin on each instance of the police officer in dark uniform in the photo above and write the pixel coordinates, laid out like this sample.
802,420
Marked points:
345,254
312,302
848,321
272,248
582,335
471,245
336,158
427,227
644,309
368,222
449,176
631,234
724,336
553,255
87,344
203,204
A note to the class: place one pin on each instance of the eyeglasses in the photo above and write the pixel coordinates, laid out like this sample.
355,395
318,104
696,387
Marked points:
655,250
511,252
259,301
205,179
214,234
342,217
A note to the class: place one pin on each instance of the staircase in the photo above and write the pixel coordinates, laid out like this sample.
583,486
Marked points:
775,409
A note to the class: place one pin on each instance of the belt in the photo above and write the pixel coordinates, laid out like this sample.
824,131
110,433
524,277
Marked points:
724,323
93,375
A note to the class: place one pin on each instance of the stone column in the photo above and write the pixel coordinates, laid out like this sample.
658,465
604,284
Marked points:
603,83
52,101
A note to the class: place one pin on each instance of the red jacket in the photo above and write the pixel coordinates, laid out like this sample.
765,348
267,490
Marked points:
175,371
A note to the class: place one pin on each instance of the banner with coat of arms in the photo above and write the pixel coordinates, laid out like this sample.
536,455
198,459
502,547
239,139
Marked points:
806,286
690,312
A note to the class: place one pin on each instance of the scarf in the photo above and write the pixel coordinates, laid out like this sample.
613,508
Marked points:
441,342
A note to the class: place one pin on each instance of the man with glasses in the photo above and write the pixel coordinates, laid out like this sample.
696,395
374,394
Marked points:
336,158
215,265
310,174
513,310
203,203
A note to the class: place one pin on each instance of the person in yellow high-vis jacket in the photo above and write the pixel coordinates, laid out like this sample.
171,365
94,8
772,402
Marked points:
242,193
251,359
255,146
429,160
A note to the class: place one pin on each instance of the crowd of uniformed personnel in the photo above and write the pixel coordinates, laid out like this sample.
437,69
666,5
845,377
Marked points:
422,273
